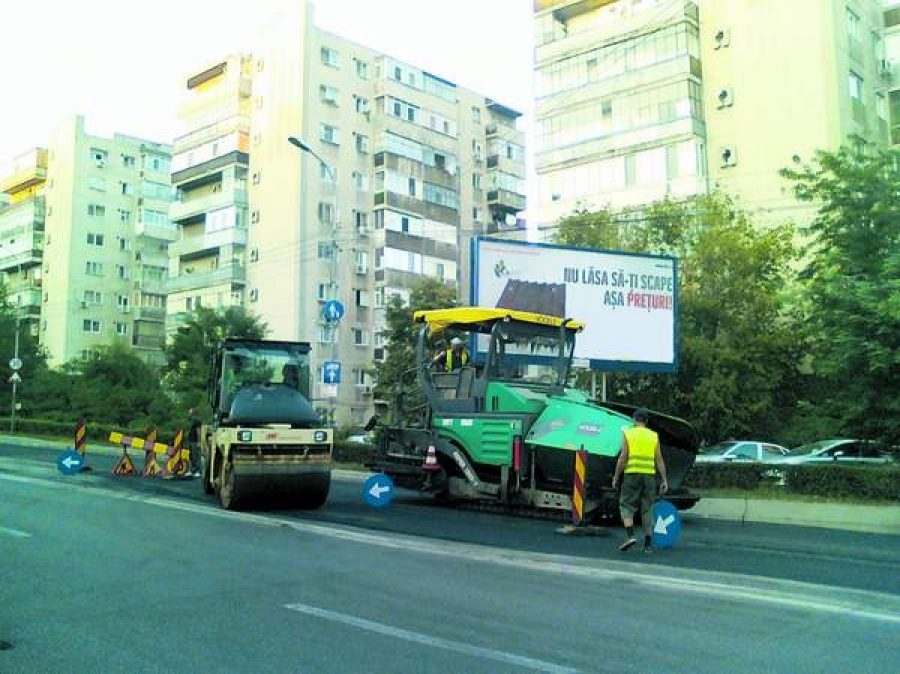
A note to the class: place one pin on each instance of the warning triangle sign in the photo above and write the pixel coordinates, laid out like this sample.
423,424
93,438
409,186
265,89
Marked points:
151,468
124,466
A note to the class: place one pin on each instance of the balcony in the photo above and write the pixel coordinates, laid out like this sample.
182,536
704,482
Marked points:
195,245
28,170
417,206
182,210
150,314
223,127
230,273
505,165
506,200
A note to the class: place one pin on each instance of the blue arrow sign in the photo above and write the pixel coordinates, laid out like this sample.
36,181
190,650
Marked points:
378,491
333,311
69,462
331,372
666,524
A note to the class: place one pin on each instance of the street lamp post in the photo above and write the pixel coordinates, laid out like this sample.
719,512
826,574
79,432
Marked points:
335,223
15,379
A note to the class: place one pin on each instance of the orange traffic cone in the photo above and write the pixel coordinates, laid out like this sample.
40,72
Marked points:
431,462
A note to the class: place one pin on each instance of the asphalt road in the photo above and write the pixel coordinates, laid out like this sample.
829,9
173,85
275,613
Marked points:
104,574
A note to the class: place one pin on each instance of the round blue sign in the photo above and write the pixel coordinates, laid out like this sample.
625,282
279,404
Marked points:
69,462
666,524
378,490
333,311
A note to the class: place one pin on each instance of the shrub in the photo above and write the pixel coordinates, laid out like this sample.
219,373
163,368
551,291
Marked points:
717,475
353,452
858,482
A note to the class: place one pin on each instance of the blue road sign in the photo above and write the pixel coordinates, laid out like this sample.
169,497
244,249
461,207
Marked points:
378,490
333,311
666,524
331,372
69,462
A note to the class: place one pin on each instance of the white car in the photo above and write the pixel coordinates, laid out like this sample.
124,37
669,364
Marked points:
745,451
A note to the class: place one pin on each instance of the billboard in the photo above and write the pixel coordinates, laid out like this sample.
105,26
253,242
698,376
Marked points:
628,302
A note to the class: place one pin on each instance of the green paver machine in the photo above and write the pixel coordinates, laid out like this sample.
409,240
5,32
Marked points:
504,428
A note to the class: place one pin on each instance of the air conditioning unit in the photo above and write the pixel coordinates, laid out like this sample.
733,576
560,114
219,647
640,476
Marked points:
83,304
728,156
362,230
361,269
367,389
126,309
884,67
254,294
721,38
725,98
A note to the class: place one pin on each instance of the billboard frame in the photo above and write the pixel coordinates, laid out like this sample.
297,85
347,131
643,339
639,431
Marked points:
594,364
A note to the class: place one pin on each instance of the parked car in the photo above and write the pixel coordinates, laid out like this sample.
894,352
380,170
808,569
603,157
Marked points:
839,450
742,451
361,439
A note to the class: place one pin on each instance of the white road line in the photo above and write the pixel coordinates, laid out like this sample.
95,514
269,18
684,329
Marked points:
432,641
787,594
15,533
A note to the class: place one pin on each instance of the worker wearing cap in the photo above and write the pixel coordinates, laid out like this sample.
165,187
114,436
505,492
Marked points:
454,357
640,458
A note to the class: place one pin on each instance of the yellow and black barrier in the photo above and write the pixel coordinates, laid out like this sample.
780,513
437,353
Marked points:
177,457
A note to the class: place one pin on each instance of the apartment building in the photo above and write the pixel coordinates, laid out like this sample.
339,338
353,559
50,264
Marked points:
84,241
638,100
22,214
209,173
393,172
890,66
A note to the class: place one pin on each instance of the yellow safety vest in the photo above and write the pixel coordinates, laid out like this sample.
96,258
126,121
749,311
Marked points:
463,359
641,450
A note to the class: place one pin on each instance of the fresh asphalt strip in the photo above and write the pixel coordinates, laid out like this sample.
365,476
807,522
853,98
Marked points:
786,594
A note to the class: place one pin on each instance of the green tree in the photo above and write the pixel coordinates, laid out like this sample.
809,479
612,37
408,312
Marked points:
396,374
851,286
736,345
190,354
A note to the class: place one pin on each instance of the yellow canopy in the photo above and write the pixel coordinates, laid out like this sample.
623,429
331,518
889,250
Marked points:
482,319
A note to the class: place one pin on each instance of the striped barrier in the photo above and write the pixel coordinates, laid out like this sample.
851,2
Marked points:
81,437
177,456
151,467
578,487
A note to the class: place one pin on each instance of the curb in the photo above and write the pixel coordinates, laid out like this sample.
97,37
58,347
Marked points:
883,519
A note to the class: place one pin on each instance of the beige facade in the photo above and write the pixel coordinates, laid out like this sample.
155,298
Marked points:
890,66
412,167
642,99
88,222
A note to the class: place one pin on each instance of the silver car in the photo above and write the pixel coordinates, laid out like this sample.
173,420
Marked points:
838,450
742,451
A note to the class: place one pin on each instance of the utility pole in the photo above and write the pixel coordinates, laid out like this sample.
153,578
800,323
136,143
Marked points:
331,325
15,378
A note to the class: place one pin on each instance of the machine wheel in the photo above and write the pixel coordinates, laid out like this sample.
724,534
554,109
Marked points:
312,491
228,486
206,474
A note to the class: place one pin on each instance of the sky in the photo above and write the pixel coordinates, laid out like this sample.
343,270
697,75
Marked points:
123,64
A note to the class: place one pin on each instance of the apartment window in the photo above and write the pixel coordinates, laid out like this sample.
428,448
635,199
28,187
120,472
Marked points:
439,271
476,181
379,258
121,329
360,337
476,214
476,114
404,224
379,219
856,85
362,143
93,268
90,325
94,239
157,218
362,262
330,57
360,299
325,250
322,292
158,163
476,150
99,157
326,213
327,174
92,297
411,187
327,334
124,215
360,181
397,109
96,210
881,106
362,69
122,272
97,183
328,95
328,134
852,23
361,104
362,220
410,114
398,74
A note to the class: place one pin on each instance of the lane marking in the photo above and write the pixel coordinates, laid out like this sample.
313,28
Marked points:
790,594
15,533
432,641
